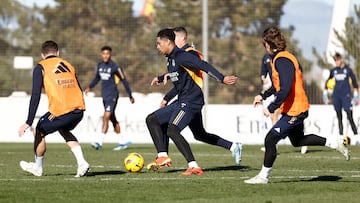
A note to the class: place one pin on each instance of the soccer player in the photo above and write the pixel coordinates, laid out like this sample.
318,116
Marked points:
196,125
109,73
267,83
292,100
66,107
341,96
181,66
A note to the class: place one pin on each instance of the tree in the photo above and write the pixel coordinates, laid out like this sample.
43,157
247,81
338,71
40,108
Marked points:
13,41
235,30
82,27
351,39
350,42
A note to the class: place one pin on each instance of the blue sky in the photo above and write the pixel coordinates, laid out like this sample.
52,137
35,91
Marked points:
311,19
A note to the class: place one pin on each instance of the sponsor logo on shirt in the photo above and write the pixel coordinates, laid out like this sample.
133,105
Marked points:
174,76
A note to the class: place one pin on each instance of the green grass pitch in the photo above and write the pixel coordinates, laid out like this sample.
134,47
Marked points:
322,175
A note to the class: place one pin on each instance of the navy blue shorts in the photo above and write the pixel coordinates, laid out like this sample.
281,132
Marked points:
292,126
110,104
177,113
342,102
49,123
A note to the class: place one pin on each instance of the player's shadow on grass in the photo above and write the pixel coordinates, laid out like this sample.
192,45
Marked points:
315,179
309,151
102,173
325,179
221,168
229,168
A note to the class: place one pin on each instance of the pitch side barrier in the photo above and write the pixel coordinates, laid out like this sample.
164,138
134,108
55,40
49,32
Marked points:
242,123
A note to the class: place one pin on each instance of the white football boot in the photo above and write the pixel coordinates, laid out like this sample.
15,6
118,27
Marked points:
304,149
82,170
30,168
257,180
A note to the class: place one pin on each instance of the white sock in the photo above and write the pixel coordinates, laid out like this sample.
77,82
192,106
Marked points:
121,139
332,143
265,172
39,161
233,146
162,154
193,164
100,138
78,155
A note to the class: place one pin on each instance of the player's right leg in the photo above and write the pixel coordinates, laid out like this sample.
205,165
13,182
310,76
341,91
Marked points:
197,128
298,139
67,123
109,105
338,109
156,123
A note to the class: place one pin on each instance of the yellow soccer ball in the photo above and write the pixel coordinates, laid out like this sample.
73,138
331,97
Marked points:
134,162
330,84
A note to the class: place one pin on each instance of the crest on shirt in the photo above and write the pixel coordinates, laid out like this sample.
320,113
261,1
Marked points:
173,62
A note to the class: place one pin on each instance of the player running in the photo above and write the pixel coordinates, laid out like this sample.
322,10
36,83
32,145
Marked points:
267,83
109,73
181,67
292,100
196,125
341,96
66,107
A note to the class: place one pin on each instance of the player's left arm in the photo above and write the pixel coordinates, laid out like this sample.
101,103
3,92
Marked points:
353,80
189,60
355,86
286,70
120,73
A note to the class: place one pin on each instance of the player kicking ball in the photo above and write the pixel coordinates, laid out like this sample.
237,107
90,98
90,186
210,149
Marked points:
66,107
196,125
110,74
290,97
181,65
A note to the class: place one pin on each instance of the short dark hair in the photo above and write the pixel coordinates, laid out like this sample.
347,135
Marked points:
274,38
181,29
167,33
108,48
337,56
49,47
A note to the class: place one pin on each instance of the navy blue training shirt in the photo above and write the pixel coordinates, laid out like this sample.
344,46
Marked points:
187,89
342,85
265,66
172,93
107,73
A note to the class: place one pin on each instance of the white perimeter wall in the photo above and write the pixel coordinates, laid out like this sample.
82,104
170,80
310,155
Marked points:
234,122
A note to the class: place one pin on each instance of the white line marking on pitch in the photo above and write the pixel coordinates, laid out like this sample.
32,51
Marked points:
168,178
